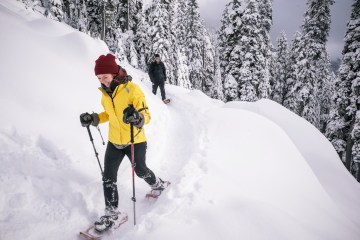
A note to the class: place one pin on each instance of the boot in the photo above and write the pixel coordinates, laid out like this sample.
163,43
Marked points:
108,220
158,187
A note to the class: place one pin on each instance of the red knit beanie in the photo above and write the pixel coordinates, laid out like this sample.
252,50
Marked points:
106,64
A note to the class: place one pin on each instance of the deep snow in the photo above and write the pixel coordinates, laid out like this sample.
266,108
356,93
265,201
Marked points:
238,170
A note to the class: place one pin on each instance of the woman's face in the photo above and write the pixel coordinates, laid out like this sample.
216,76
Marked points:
105,79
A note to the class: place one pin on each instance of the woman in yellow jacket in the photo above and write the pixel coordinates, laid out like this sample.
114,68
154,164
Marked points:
123,103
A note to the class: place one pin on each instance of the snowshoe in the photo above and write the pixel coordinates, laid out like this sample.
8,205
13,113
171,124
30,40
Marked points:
157,188
106,222
112,218
166,101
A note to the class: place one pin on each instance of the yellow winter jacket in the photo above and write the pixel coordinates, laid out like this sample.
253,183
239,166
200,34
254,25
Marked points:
123,95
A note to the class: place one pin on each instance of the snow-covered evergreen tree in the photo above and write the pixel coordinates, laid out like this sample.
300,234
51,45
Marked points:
159,33
131,52
230,88
32,4
291,95
265,8
254,53
136,11
129,14
135,34
77,14
310,60
143,42
281,61
355,135
335,129
54,9
343,128
272,68
122,19
351,60
35,5
195,45
216,90
175,54
212,83
229,36
181,22
94,16
182,68
267,50
246,48
113,34
326,90
179,29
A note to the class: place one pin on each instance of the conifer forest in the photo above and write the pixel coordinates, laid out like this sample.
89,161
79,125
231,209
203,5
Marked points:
238,61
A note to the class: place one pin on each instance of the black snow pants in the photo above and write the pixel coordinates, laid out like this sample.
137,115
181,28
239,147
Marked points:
113,159
160,84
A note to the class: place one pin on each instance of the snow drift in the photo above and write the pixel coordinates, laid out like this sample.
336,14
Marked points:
238,170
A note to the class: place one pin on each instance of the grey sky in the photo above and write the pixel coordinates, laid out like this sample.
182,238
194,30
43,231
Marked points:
288,16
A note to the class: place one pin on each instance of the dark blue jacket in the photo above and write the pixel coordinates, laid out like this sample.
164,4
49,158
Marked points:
157,72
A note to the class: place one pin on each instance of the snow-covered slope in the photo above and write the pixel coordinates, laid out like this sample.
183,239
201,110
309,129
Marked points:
238,170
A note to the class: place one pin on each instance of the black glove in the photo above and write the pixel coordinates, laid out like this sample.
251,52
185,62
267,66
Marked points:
131,115
86,119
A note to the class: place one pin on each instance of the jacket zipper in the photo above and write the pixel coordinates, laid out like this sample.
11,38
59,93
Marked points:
112,100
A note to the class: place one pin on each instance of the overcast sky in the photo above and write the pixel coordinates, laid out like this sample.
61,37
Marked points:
288,16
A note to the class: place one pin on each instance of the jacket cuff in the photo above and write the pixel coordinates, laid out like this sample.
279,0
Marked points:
141,122
96,119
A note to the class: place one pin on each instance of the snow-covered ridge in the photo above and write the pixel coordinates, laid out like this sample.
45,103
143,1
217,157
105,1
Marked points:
238,170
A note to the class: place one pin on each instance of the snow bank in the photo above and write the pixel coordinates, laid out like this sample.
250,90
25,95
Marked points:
319,154
37,195
238,170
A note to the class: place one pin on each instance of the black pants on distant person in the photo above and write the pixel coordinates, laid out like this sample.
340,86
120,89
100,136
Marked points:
160,84
113,159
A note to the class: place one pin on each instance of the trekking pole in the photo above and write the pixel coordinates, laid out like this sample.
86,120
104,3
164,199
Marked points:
97,127
133,167
103,142
96,153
